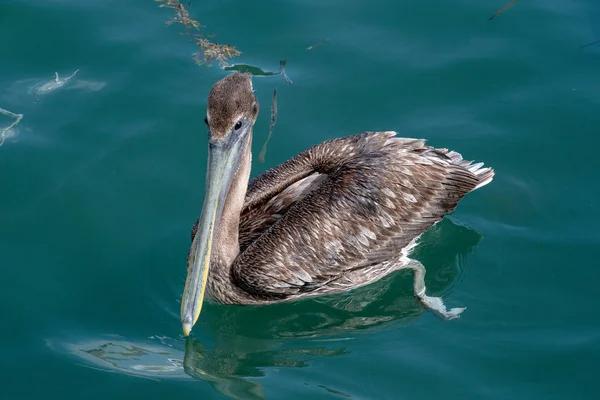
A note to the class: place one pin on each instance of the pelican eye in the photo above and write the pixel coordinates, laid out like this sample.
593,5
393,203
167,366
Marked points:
238,125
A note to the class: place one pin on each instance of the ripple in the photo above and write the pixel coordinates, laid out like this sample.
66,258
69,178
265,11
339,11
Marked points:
227,366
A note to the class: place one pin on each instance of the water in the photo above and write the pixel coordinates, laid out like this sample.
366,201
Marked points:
103,178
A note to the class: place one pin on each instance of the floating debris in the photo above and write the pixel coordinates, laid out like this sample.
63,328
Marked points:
282,72
209,51
27,87
257,71
263,152
9,131
590,44
52,85
595,28
503,9
316,44
251,69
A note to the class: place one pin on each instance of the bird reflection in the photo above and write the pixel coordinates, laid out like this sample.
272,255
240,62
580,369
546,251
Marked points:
251,340
382,305
227,368
247,342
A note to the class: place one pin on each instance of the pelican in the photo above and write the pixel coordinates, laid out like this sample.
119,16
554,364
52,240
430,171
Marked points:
340,215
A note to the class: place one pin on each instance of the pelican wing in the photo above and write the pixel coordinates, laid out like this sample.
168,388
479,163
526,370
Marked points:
342,208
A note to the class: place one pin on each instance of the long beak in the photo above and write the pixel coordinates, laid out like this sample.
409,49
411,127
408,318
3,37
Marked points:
223,161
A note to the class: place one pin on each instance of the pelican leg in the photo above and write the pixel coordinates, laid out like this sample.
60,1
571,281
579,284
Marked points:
435,304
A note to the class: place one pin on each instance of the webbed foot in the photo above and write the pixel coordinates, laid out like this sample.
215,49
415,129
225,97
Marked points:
436,305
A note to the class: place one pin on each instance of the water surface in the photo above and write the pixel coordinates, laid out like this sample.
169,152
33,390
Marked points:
103,179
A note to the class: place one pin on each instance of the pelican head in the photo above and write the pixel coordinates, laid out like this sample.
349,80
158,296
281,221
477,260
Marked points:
231,113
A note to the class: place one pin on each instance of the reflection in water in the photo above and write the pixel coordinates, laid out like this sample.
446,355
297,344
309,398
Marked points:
247,342
225,367
229,363
383,304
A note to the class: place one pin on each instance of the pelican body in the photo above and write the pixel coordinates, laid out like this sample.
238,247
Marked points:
338,216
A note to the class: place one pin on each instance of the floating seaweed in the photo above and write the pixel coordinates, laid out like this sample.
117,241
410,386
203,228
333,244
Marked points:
209,51
503,9
316,44
183,15
213,51
221,53
263,152
282,72
9,130
53,84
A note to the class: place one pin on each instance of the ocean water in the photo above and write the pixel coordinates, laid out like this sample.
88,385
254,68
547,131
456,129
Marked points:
103,177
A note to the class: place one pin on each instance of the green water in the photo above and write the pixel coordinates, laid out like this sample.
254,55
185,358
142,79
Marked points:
102,180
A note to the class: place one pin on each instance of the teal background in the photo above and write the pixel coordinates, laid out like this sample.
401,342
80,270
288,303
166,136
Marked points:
103,179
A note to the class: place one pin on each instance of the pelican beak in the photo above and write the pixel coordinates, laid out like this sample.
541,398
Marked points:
224,156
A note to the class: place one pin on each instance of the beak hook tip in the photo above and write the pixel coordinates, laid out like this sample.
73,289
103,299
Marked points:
187,326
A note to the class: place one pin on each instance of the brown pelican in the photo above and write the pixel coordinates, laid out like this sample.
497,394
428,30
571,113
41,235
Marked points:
340,215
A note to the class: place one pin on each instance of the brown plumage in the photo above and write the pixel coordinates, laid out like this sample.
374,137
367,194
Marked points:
337,216
230,99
